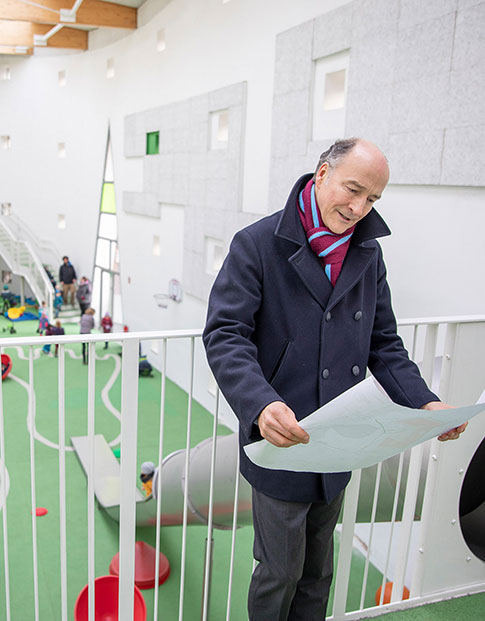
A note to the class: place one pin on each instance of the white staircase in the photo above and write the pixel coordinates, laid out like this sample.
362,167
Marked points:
22,259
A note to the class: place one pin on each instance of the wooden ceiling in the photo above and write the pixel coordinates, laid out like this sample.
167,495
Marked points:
27,24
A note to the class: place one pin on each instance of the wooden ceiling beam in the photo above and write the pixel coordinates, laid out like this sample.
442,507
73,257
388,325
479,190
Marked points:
22,34
94,13
6,49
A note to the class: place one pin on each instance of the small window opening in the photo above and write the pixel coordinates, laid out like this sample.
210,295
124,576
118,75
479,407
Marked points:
161,43
153,139
219,129
110,68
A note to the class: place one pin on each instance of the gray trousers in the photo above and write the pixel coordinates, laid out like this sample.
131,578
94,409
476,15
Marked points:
293,542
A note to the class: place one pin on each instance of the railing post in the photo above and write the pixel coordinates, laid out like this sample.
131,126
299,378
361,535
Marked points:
129,428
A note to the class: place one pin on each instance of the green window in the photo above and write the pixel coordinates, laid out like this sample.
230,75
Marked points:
152,143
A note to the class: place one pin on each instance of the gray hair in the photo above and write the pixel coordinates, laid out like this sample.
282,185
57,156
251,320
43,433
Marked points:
334,154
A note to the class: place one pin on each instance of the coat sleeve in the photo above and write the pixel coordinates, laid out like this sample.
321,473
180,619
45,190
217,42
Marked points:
229,333
388,359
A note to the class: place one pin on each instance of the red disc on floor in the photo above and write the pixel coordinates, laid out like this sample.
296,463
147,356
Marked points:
41,511
144,566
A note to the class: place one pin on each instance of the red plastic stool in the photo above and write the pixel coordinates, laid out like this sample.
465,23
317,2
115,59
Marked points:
106,601
144,566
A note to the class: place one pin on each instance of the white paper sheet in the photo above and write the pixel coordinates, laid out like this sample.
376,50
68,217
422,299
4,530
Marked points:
359,428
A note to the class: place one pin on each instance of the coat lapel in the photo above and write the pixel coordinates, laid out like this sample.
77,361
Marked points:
356,262
309,269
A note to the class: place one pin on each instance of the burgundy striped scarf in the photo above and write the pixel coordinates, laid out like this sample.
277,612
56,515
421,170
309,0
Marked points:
331,248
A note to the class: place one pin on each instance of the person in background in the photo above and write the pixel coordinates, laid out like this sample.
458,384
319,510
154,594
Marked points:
107,325
58,330
147,471
57,302
83,294
43,319
67,280
87,324
49,331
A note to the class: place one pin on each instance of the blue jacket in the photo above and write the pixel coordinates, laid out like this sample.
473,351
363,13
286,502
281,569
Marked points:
278,331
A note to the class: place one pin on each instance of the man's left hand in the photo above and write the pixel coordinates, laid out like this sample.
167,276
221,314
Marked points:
452,434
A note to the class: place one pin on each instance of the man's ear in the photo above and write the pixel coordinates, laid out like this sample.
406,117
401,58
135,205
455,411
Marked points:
322,174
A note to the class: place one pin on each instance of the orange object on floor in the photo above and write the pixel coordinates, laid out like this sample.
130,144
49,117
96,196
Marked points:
144,566
387,593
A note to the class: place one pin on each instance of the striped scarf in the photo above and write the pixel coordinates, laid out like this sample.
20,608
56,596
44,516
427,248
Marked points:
331,248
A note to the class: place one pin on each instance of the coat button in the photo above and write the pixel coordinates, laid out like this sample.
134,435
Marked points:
328,316
325,373
358,315
355,370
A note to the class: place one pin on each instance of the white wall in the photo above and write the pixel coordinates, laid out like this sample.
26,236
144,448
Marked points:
209,45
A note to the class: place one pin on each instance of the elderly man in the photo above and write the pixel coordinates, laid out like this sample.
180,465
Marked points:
299,310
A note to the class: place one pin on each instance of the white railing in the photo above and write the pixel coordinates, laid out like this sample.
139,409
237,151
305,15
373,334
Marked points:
45,250
23,261
445,339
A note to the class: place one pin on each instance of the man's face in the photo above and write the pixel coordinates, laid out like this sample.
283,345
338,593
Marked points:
66,260
346,194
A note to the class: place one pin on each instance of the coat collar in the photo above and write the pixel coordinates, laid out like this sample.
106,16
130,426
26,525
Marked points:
306,263
289,226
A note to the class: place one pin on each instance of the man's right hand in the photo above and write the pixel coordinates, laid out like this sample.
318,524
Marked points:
278,425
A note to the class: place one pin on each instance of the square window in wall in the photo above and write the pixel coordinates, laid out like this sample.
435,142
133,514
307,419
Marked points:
219,129
329,96
153,143
5,73
61,221
156,245
161,44
61,149
214,255
62,78
6,209
110,68
5,142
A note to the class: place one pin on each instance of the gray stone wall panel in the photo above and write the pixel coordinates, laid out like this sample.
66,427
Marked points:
293,70
333,31
424,49
414,12
469,48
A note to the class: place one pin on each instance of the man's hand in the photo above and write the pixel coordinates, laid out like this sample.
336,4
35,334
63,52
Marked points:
277,424
452,434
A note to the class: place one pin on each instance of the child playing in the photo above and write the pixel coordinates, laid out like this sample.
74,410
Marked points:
58,331
107,325
147,471
43,321
57,302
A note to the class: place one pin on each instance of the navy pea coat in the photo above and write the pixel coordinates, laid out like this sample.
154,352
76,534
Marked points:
277,330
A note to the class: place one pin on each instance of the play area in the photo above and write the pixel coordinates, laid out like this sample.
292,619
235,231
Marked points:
107,429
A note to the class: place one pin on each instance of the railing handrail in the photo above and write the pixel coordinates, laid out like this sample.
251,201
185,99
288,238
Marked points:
101,337
36,275
43,245
430,321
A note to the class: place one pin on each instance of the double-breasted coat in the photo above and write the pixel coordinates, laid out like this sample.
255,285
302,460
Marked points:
278,331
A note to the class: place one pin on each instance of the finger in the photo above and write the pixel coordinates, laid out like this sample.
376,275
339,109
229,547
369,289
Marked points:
281,431
277,439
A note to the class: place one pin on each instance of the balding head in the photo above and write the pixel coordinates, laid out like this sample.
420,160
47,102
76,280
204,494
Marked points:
350,179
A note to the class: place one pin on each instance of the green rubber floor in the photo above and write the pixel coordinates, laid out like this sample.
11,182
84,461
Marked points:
17,441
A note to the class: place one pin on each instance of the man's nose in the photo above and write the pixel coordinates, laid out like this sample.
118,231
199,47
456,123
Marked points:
358,205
